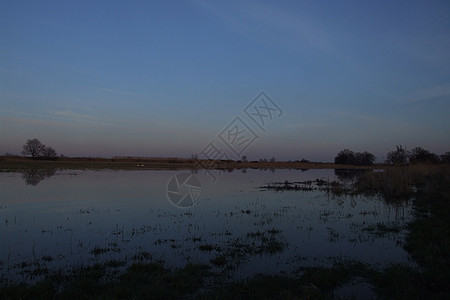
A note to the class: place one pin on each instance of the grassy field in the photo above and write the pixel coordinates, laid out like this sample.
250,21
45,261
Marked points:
428,243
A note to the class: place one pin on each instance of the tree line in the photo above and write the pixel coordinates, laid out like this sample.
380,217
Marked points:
400,156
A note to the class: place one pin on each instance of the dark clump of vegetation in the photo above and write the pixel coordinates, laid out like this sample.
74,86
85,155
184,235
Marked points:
336,188
398,282
398,183
398,157
97,250
327,279
140,281
257,243
264,287
308,185
206,247
420,155
401,156
429,238
348,157
382,229
428,241
219,260
320,283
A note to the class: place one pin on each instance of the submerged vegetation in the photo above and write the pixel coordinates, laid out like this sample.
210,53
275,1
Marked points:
140,280
427,242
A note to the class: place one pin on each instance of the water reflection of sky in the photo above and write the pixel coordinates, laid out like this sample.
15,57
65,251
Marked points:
68,215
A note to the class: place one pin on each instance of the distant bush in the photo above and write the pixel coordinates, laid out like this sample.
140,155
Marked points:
445,158
401,156
7,154
418,155
348,157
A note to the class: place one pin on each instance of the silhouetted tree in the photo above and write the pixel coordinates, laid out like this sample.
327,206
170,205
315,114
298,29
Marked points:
348,157
345,157
445,158
364,159
33,147
244,158
49,152
421,155
398,157
36,149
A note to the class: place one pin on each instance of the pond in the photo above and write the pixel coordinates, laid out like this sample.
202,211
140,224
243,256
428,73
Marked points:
57,220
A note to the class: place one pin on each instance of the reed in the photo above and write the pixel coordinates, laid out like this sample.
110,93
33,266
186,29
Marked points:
400,182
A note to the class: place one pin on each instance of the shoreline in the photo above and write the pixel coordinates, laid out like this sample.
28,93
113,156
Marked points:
10,164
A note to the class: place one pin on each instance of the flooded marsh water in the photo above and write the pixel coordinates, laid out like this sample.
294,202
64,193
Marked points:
67,219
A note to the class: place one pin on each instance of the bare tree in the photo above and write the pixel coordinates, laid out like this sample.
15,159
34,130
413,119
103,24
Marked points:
36,149
49,152
418,155
33,147
398,157
445,158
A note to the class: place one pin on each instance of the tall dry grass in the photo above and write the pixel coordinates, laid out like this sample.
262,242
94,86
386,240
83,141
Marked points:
400,182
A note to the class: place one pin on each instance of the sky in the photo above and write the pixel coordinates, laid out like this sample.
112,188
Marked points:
166,78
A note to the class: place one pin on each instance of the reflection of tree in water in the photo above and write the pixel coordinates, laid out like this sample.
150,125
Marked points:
347,178
34,176
345,175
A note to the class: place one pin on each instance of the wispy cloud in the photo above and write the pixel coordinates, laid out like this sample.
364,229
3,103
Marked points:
259,20
429,94
307,125
373,122
70,115
69,118
121,92
15,112
45,122
64,116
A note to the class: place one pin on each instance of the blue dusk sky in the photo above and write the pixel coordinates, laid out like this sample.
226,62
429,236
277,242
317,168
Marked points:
164,78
